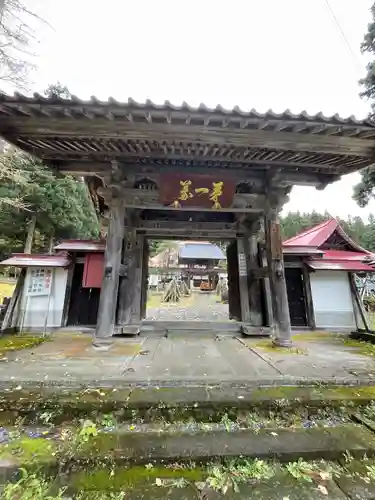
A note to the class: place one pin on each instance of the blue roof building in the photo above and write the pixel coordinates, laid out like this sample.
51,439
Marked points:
200,250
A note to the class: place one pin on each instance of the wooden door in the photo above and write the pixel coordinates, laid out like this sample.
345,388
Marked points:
84,302
233,282
296,296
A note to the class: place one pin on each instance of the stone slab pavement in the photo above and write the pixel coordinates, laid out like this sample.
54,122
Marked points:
189,359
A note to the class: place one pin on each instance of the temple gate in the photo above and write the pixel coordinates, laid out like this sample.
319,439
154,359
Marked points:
176,171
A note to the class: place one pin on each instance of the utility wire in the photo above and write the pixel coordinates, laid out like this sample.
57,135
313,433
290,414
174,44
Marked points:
355,58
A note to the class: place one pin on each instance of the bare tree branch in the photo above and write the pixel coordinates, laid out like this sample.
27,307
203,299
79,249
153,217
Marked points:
16,35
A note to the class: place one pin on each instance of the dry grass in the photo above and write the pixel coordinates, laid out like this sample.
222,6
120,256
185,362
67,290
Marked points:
6,288
371,320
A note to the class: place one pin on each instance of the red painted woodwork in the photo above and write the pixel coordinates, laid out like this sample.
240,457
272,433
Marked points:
93,270
316,237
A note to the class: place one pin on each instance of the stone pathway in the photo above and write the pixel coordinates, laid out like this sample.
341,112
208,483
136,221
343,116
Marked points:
201,306
188,359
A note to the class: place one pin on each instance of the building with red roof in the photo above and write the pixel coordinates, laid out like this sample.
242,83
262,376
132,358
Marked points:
64,288
329,243
319,267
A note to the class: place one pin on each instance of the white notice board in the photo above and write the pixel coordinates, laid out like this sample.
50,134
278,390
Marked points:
242,269
40,281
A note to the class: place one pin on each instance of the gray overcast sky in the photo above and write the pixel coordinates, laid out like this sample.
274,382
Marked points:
252,53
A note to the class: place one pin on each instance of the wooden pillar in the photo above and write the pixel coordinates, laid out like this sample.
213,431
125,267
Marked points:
309,300
68,291
358,304
279,295
243,281
144,290
127,281
255,298
267,290
109,290
137,291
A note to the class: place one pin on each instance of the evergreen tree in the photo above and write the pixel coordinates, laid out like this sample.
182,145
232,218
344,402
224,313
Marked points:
62,204
361,232
58,90
364,190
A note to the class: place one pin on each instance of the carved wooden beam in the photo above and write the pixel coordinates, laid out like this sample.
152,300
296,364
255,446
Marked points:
303,179
253,176
160,206
185,270
39,127
150,199
81,168
178,226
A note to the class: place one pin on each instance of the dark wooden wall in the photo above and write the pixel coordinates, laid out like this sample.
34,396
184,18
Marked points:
144,289
233,282
84,302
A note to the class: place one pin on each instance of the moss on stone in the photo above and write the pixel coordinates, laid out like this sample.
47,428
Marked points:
25,451
267,345
313,336
315,393
348,392
361,347
278,392
105,479
10,343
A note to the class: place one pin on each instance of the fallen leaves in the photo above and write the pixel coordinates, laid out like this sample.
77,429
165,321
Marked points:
322,489
326,476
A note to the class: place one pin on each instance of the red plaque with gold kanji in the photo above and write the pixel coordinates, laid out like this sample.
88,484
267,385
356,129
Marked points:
206,191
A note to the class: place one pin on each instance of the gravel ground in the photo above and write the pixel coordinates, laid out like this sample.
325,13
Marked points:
201,306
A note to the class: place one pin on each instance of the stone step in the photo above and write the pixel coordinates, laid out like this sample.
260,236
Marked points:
140,446
191,326
235,480
287,424
281,486
203,404
201,446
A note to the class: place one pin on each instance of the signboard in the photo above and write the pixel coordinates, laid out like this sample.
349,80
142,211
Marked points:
276,241
39,281
184,190
242,269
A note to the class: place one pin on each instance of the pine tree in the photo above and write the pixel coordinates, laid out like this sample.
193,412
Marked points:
364,190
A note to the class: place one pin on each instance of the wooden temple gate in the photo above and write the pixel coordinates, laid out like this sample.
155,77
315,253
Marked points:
163,171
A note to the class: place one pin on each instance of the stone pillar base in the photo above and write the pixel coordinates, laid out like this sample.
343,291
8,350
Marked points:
128,329
280,342
102,343
248,329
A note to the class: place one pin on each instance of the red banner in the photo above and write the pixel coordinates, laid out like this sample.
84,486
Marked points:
184,190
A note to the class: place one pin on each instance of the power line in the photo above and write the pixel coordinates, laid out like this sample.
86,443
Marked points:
355,58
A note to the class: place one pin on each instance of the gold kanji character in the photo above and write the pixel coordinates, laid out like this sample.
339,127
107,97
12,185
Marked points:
217,191
201,190
185,193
